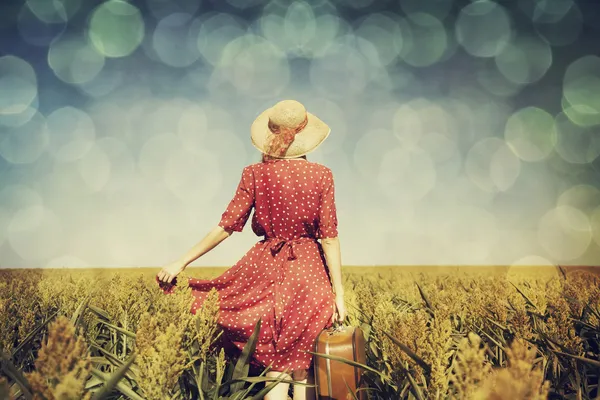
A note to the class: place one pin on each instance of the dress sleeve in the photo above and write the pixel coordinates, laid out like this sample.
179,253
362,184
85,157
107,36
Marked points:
236,215
327,211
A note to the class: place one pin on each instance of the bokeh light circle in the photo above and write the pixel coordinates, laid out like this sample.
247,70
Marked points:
524,60
368,150
341,72
335,118
385,35
172,41
496,83
576,144
14,197
532,266
582,115
437,8
122,167
559,29
192,126
356,4
95,168
116,28
407,124
154,152
582,197
18,85
406,175
326,28
54,11
194,178
109,79
565,233
5,217
530,133
163,8
215,32
428,40
35,233
545,11
581,84
73,60
299,26
483,28
24,144
440,133
505,168
245,4
13,120
491,165
255,67
37,32
469,231
595,223
71,133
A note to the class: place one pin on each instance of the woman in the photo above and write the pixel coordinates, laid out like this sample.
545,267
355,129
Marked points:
289,279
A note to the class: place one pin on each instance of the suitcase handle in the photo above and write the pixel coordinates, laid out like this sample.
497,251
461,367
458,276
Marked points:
337,326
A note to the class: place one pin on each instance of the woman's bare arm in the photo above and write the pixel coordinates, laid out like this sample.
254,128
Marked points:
210,241
331,249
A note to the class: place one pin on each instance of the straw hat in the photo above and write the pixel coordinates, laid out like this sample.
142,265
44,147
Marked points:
287,130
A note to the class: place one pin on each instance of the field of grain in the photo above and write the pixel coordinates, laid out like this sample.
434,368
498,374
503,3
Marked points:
432,333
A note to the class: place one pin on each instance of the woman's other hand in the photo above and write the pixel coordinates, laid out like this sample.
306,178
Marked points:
339,313
170,271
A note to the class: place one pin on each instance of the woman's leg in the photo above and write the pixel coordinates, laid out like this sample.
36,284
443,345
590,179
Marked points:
301,392
280,391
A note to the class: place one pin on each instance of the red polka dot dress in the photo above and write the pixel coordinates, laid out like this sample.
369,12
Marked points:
284,277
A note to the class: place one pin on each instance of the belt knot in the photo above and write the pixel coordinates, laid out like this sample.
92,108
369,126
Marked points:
279,243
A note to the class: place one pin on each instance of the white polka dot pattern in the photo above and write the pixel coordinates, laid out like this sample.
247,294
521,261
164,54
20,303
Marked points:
283,278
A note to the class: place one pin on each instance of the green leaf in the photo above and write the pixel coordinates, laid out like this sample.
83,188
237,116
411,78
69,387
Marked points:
492,339
425,299
350,390
99,312
242,365
113,359
11,371
414,388
589,361
524,296
32,334
409,352
262,393
585,324
79,311
205,384
247,391
562,271
505,328
199,379
257,379
100,360
113,381
123,331
92,382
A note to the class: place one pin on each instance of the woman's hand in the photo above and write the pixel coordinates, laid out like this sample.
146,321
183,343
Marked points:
339,312
170,271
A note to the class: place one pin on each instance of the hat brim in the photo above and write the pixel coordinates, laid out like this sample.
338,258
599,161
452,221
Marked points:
305,141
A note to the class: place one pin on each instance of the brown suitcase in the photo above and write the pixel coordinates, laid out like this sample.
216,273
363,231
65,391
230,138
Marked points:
329,375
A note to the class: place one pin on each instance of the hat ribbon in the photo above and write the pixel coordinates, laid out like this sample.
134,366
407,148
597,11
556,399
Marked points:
276,129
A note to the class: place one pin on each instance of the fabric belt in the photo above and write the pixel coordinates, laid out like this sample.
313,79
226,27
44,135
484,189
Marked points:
279,243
